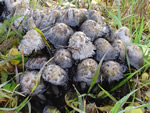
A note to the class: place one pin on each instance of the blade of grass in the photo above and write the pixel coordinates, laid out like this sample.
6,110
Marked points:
96,74
108,94
135,107
122,101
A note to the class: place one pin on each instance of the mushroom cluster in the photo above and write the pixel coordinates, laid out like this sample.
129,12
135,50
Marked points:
81,40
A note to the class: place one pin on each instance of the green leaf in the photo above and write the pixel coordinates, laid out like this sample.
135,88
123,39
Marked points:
108,94
96,74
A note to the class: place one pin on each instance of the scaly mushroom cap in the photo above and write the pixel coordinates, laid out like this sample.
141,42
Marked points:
94,15
49,18
120,47
86,70
28,80
59,34
36,62
90,28
123,34
73,17
55,75
135,56
63,58
111,71
81,46
103,46
32,41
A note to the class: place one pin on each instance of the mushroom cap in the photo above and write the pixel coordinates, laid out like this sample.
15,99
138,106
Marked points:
36,62
86,70
112,70
103,46
120,47
94,15
32,41
28,80
73,17
55,75
123,34
59,34
37,17
105,31
63,58
135,56
49,18
90,28
81,46
21,11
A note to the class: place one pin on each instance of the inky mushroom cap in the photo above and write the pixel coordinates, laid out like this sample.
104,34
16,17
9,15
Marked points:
32,41
105,31
86,70
73,17
36,62
59,34
55,75
81,46
103,46
123,34
120,47
135,56
90,28
28,80
111,71
49,18
63,58
94,15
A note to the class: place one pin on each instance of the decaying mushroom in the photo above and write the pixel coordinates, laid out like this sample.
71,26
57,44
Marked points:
104,47
28,80
123,34
55,75
81,46
59,34
32,41
86,70
90,28
135,55
73,17
63,58
112,70
120,47
36,62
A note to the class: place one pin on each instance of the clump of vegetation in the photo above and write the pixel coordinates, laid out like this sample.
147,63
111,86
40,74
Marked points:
131,94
